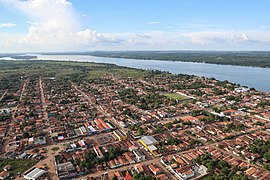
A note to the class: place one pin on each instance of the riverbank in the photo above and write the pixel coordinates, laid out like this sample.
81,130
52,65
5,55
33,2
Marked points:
248,58
246,76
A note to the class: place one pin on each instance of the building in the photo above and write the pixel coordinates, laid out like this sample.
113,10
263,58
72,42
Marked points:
7,167
66,171
120,135
98,152
154,169
185,172
4,175
149,143
241,89
35,174
139,155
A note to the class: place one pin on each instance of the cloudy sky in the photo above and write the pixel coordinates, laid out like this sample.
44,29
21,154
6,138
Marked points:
86,25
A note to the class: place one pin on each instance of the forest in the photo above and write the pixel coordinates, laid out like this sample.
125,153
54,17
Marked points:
252,58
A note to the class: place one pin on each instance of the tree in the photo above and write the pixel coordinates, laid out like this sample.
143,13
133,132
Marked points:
140,131
266,155
26,134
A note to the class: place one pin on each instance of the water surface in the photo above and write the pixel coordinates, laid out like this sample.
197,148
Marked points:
256,77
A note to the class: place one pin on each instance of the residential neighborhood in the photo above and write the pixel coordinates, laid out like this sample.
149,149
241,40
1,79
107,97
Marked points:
158,126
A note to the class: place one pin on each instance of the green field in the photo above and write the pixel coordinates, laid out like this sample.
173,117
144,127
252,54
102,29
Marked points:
64,69
17,165
176,96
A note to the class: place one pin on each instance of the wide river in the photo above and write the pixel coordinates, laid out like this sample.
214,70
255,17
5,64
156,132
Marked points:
258,78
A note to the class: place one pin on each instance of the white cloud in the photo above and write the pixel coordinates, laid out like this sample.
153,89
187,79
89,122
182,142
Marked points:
54,25
154,22
7,25
230,38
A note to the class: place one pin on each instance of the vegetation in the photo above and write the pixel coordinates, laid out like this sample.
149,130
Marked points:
76,71
259,59
91,159
263,149
55,148
219,169
234,127
17,165
145,102
141,176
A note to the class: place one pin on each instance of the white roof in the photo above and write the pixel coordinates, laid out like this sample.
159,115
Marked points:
149,140
60,137
34,174
152,148
92,129
81,142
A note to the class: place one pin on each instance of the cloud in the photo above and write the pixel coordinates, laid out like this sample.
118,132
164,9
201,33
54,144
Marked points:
89,36
7,25
54,25
154,22
229,38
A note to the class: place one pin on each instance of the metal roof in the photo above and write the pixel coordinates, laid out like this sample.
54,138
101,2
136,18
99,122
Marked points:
34,174
149,140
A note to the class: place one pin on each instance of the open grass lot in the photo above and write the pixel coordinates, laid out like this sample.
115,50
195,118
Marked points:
18,165
176,96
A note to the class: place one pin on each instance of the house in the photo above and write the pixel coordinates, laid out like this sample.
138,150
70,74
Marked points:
139,155
154,169
120,135
83,130
7,167
189,119
250,171
128,176
185,172
4,175
139,168
98,152
81,143
241,89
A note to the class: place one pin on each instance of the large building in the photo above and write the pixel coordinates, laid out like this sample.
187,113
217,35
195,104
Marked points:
35,174
149,143
64,168
66,171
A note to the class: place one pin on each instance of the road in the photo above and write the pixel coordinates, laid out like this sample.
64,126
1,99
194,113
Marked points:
49,162
14,112
3,95
97,106
43,101
128,167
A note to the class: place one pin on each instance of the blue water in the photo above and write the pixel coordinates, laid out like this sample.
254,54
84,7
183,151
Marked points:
256,77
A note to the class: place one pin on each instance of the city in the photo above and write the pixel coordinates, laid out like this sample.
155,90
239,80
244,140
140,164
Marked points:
132,124
134,90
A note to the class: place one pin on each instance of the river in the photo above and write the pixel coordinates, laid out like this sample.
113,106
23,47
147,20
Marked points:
256,77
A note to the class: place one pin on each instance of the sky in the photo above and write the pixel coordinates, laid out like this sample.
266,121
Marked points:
90,25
